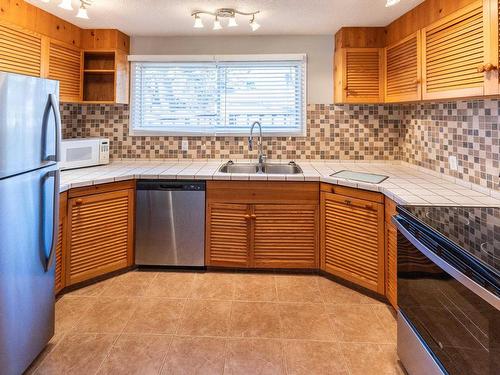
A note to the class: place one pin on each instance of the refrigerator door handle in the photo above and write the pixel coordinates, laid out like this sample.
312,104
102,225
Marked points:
55,225
52,104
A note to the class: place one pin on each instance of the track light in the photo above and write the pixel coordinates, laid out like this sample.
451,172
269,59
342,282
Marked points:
390,3
217,25
66,4
224,13
82,12
253,24
198,23
232,22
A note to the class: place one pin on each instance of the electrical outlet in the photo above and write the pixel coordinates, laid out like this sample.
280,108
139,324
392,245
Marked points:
185,145
452,160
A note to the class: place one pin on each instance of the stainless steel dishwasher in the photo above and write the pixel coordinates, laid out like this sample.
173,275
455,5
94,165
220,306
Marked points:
170,223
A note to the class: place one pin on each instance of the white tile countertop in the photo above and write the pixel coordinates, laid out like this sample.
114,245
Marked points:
406,184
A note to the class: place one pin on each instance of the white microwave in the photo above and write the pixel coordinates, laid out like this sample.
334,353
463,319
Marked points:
84,152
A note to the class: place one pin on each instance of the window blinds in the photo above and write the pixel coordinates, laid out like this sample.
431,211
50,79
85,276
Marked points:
218,97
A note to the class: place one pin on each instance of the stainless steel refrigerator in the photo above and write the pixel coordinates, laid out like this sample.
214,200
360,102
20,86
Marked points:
29,207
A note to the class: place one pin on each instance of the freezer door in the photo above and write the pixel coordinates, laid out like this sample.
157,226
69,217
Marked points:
29,123
29,208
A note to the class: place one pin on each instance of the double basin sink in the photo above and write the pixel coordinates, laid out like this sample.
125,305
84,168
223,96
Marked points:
269,168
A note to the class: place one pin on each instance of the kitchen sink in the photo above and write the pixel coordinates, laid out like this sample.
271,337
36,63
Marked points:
270,168
290,168
231,167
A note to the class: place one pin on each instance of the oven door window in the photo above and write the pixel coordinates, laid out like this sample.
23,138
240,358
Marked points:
461,329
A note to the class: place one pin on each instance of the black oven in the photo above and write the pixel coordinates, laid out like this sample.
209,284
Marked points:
448,290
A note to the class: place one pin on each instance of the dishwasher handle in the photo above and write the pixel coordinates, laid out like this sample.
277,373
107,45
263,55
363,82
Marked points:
167,185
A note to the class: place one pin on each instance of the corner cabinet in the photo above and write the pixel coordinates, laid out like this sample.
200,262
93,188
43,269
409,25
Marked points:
460,53
100,230
352,236
262,224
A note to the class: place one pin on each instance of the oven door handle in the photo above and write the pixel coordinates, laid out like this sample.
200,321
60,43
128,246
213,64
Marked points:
449,269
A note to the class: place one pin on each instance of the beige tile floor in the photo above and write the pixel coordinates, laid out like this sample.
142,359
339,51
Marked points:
220,323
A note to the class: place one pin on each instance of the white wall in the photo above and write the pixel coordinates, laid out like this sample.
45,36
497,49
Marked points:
319,50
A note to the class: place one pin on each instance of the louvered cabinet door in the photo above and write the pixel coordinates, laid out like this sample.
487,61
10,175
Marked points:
391,238
403,70
353,240
20,51
100,234
65,67
285,236
454,52
227,235
363,75
60,276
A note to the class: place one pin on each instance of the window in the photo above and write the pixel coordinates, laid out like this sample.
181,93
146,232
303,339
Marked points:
218,95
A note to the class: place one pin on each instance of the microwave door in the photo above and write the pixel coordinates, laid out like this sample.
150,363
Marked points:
78,154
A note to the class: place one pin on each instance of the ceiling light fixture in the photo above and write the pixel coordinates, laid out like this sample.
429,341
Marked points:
390,3
82,11
198,23
66,4
217,25
224,13
253,24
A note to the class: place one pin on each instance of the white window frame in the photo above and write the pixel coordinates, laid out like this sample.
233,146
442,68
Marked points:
218,58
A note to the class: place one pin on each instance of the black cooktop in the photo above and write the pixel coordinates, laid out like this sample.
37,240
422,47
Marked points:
474,229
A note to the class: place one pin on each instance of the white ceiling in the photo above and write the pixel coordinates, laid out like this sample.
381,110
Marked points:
173,17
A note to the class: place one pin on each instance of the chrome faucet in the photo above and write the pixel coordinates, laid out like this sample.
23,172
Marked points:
262,157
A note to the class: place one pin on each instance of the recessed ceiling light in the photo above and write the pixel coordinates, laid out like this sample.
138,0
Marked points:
390,3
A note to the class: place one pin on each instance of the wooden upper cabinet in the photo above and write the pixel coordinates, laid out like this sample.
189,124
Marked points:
100,237
227,235
285,236
20,51
65,66
362,75
352,240
403,70
455,53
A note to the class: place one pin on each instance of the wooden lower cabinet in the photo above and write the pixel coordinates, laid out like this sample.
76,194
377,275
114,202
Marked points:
391,254
100,230
262,225
60,273
352,237
285,235
228,235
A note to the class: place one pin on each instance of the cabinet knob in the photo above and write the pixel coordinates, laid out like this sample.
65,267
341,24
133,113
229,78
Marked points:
253,216
481,68
79,201
247,216
416,81
490,67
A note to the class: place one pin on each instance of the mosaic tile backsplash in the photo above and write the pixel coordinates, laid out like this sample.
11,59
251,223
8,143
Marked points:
423,134
333,132
468,130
